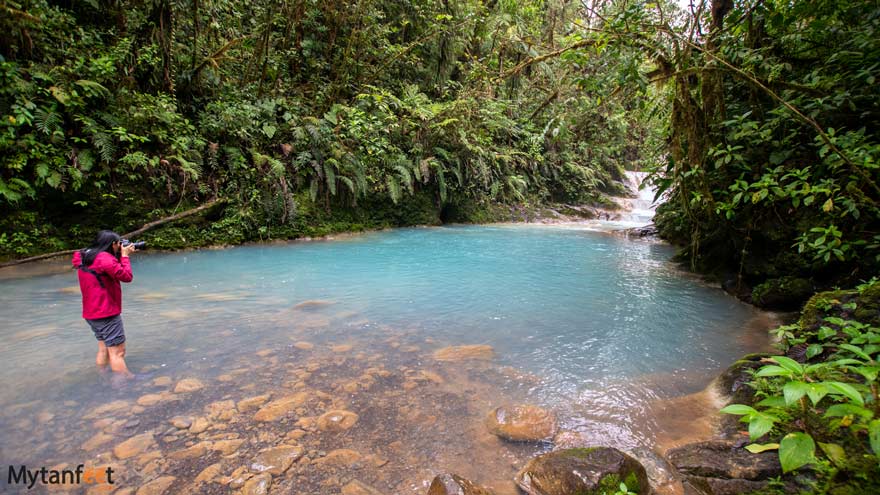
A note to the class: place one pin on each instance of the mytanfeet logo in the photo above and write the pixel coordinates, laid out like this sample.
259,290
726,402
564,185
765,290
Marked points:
23,476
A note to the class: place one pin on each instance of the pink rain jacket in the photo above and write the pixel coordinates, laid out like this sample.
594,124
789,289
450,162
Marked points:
102,302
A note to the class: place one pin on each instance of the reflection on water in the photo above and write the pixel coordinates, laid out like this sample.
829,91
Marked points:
603,331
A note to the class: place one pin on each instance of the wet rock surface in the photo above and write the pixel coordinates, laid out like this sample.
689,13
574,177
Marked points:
726,460
522,423
585,471
453,484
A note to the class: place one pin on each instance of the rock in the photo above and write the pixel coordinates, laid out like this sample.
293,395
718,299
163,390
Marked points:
341,348
785,293
276,460
258,485
133,446
464,353
208,474
662,474
227,447
357,488
111,407
238,477
453,484
153,399
589,471
181,422
522,423
96,441
312,304
225,378
197,450
199,425
162,381
337,420
222,410
157,486
719,459
188,385
277,409
340,458
251,403
296,434
264,352
305,346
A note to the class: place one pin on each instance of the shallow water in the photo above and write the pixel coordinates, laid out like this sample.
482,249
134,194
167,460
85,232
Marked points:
597,328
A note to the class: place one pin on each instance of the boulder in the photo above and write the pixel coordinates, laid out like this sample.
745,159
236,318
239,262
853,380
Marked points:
522,423
453,484
785,293
587,471
720,459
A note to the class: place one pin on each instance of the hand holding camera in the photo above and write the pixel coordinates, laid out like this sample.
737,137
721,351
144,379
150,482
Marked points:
129,247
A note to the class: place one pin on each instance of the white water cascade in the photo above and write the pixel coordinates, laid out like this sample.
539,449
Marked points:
638,211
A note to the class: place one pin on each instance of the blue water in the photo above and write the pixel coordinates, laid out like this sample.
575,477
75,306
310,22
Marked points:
598,322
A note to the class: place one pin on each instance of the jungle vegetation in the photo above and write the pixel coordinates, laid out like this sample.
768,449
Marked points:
758,120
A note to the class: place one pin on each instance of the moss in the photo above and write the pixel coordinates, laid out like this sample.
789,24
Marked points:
819,304
782,293
579,453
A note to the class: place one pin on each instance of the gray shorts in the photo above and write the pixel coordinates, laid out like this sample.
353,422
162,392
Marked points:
108,330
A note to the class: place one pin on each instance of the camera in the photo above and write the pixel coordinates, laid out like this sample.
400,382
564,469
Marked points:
139,245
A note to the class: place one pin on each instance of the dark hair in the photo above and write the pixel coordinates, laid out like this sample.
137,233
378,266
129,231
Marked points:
103,243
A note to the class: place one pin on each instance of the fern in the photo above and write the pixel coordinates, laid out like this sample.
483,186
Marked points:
47,121
313,189
393,189
103,142
405,177
349,184
330,174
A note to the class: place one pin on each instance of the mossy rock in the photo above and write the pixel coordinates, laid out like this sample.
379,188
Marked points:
453,484
783,293
584,471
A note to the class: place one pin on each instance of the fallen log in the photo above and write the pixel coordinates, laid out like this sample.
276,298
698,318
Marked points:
146,227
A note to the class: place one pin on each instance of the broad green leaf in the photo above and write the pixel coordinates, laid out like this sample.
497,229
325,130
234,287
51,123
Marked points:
757,448
793,391
826,333
841,410
795,450
846,390
789,364
773,401
738,409
834,452
869,372
814,350
772,370
855,350
874,435
816,392
760,425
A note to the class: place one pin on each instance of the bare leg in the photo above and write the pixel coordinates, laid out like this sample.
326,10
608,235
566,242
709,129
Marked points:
102,359
117,359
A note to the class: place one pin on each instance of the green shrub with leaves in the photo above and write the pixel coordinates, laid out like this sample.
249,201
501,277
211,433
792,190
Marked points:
823,412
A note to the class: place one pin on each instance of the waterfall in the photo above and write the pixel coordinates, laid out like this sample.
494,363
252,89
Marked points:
639,210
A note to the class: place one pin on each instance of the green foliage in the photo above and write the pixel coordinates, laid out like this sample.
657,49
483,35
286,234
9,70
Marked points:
830,401
180,104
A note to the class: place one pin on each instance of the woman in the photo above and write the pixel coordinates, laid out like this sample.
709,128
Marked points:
101,267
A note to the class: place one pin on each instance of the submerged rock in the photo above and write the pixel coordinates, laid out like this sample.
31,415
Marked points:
181,422
313,304
133,446
357,488
590,471
453,484
208,474
188,385
258,485
277,409
157,487
522,423
276,460
337,420
464,353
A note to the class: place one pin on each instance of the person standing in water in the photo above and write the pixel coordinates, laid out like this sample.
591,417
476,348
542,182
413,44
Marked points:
101,267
